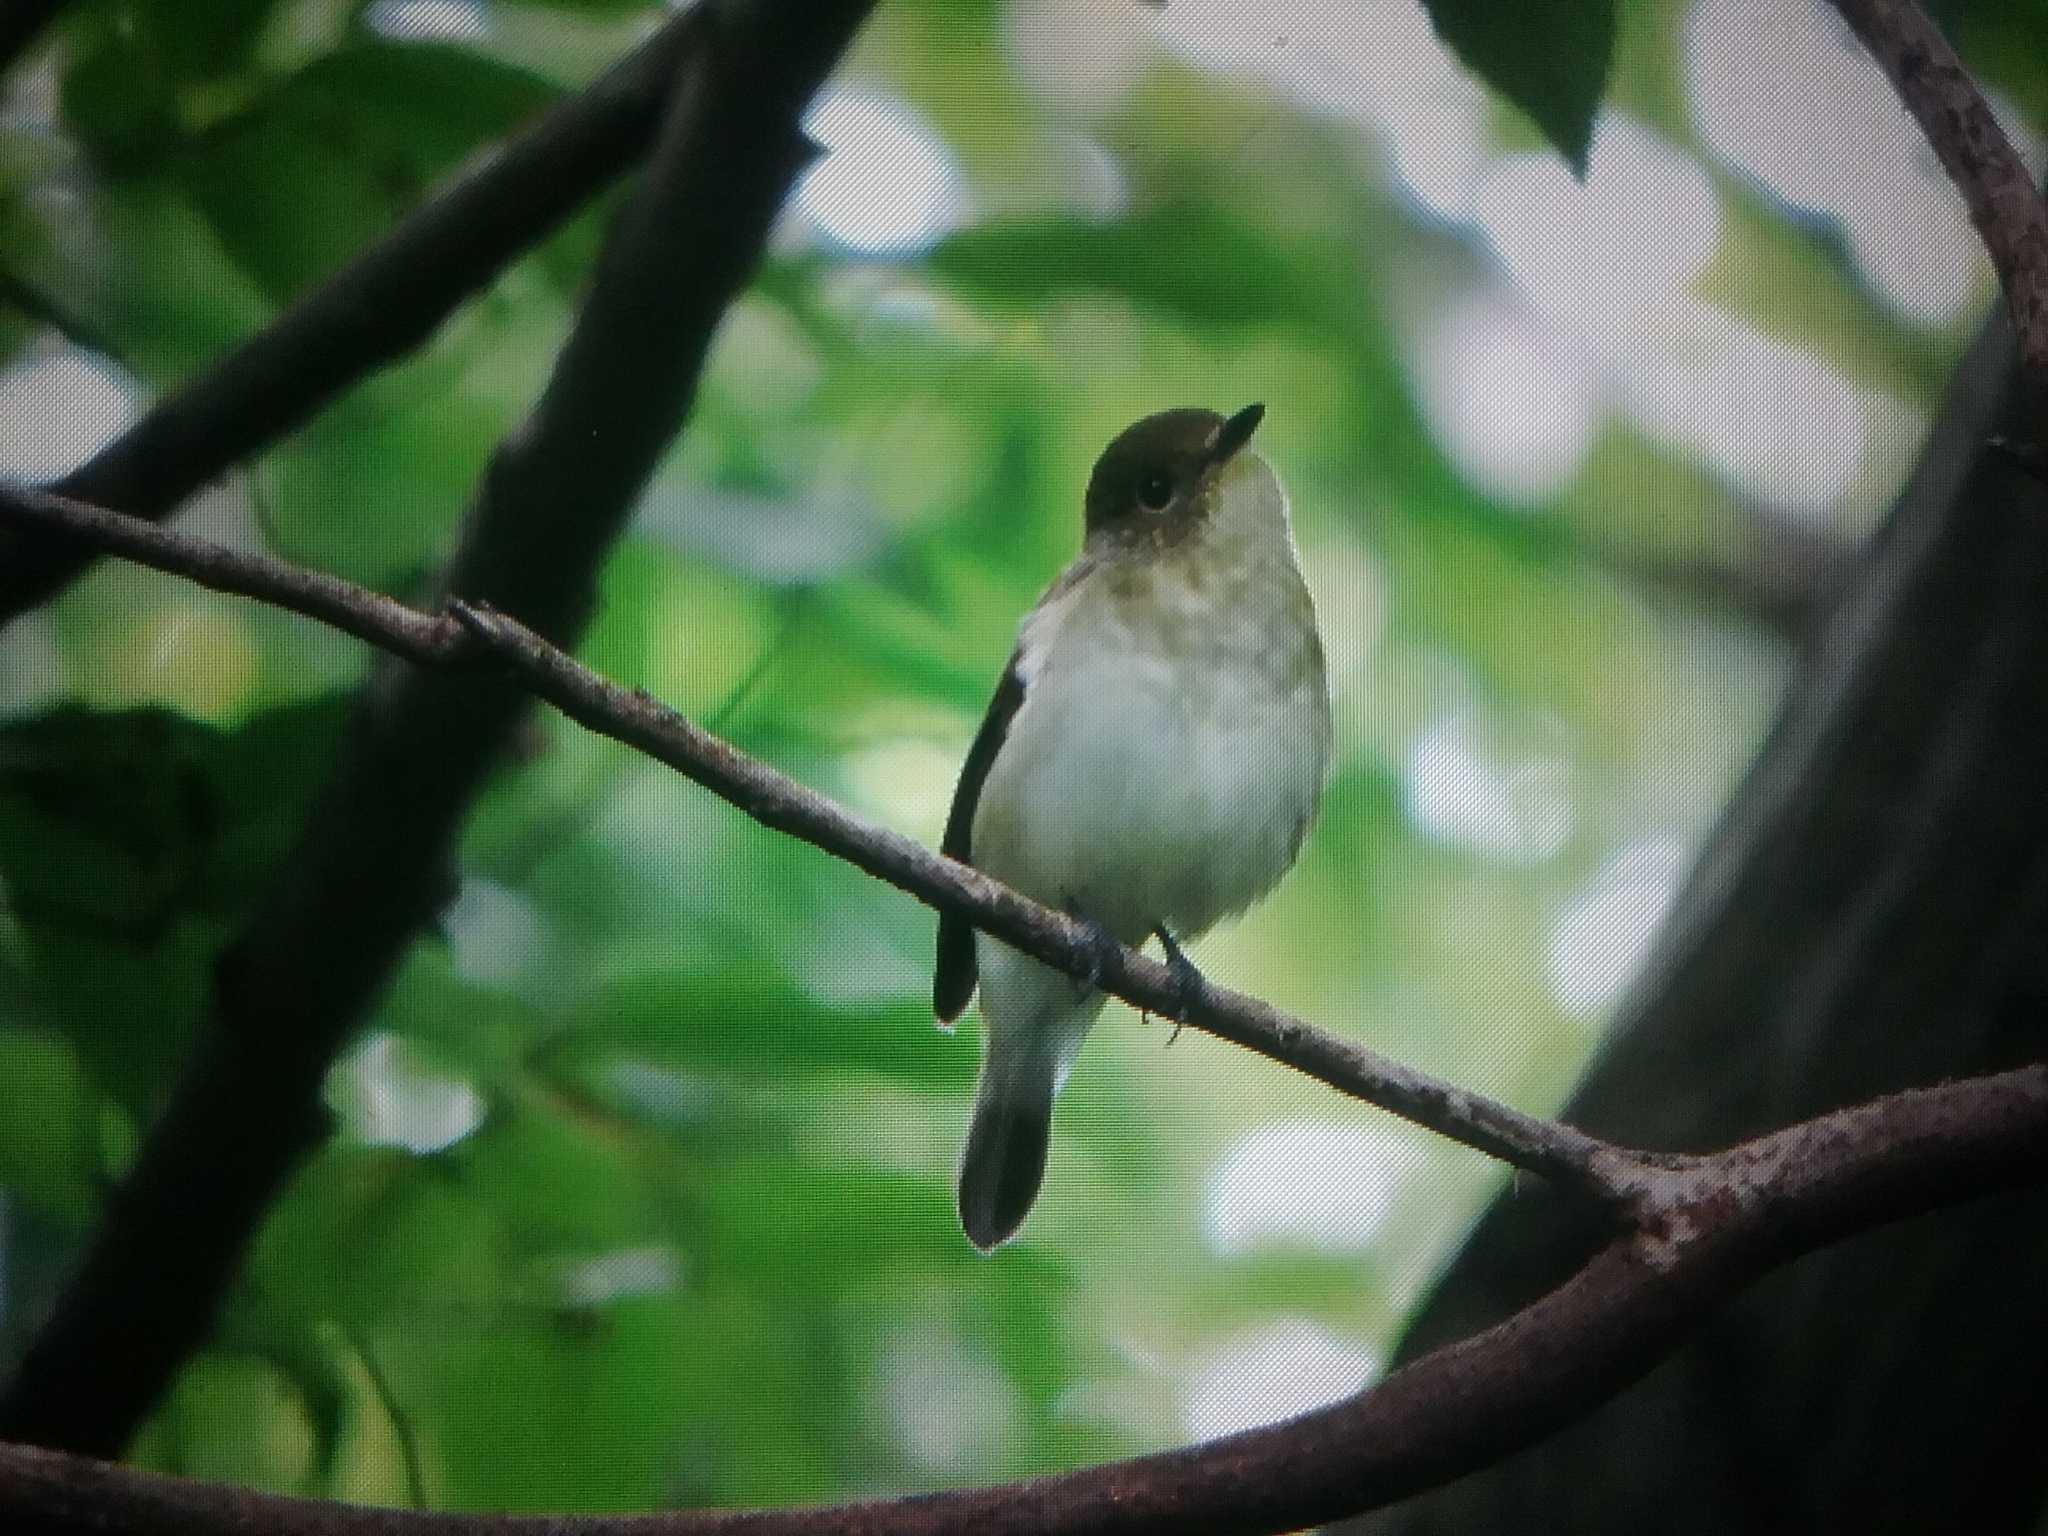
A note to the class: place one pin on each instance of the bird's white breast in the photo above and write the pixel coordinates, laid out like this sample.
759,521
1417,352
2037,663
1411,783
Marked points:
1175,728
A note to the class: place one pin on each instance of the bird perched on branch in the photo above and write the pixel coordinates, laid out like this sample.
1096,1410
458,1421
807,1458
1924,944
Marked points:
1150,762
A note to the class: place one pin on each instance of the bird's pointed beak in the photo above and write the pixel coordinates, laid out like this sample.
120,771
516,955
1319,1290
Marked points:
1236,433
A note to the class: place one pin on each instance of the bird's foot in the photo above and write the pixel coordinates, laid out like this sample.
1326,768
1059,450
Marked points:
1187,980
1105,953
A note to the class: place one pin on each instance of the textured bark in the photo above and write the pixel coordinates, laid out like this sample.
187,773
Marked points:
1868,915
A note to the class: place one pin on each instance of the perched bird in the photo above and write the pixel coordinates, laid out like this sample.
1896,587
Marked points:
1150,762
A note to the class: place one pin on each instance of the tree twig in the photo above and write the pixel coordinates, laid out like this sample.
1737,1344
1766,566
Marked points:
382,621
1709,1231
372,864
2004,203
371,312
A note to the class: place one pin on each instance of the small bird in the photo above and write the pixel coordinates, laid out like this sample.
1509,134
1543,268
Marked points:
1150,763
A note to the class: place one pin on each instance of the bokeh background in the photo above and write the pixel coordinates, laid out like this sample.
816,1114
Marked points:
641,1188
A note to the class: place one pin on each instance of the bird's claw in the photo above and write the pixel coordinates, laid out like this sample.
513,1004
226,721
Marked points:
1187,980
1105,954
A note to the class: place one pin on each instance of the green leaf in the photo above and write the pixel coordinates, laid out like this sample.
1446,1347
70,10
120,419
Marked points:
49,1126
1548,57
181,298
240,1419
116,98
101,817
131,843
1183,260
202,39
325,161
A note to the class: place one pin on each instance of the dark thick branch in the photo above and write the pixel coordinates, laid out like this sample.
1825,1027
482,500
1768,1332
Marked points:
1867,915
1709,1231
2004,203
375,310
373,863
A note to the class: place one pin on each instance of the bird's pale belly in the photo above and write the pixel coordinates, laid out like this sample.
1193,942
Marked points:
1153,792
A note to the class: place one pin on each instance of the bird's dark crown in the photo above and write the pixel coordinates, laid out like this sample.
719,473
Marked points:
1160,469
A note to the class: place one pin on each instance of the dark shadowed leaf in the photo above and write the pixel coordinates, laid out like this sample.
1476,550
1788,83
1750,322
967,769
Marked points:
130,841
324,161
1549,57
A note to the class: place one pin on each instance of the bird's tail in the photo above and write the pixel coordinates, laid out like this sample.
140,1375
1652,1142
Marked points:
1023,1062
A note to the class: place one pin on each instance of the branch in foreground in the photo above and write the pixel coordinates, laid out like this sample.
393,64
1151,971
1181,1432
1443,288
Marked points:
373,861
1724,1221
2004,203
370,313
777,801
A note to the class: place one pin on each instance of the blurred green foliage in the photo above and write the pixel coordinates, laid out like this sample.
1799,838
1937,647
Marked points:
641,1188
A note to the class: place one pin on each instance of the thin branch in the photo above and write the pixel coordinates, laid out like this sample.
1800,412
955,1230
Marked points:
374,861
371,312
777,801
1717,1226
382,621
2003,201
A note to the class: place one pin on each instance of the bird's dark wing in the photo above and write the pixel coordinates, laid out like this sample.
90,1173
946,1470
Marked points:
953,980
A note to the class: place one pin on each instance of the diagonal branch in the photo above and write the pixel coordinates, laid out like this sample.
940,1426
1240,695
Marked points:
373,862
777,801
373,311
1714,1228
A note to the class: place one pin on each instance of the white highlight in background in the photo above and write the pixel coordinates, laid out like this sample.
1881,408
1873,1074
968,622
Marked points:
387,1096
1776,421
620,1275
1605,257
494,933
886,185
952,1409
1377,63
1320,1186
1788,96
59,410
1602,937
1458,792
429,21
1274,1373
1510,402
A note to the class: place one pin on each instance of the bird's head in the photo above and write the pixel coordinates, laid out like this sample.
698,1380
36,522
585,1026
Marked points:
1167,474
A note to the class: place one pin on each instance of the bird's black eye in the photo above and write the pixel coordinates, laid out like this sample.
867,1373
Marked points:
1154,492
